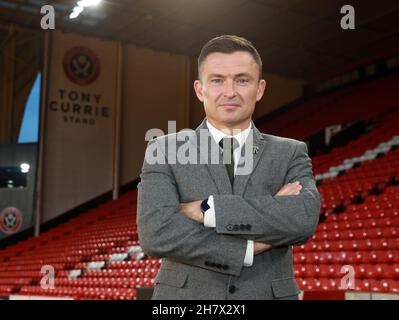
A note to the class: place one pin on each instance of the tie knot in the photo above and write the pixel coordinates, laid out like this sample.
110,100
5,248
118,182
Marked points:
229,143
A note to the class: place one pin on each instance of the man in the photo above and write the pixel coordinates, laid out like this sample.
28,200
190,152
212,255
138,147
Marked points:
225,233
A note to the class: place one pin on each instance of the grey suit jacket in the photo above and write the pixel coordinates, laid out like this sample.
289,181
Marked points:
207,263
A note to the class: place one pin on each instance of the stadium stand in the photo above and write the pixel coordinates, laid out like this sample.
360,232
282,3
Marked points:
341,106
97,255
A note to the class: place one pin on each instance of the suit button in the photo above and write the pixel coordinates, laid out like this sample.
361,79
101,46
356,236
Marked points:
229,227
219,266
232,289
207,263
242,227
236,227
248,227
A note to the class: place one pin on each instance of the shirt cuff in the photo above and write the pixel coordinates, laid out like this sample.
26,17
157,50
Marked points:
249,255
209,215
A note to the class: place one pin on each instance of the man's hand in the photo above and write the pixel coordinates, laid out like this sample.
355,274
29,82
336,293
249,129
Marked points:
290,189
260,247
192,210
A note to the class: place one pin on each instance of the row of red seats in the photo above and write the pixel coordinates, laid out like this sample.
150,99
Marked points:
347,257
365,285
362,271
82,292
355,224
98,282
15,281
363,212
350,245
357,234
119,273
141,264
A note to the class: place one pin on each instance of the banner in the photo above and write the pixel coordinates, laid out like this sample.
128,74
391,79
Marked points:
79,129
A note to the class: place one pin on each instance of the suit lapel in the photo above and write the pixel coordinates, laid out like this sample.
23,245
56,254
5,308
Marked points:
218,170
241,181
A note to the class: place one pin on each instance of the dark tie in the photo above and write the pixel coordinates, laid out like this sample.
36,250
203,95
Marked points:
228,145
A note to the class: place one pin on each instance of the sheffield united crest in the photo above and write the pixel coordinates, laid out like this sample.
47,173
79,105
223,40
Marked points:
10,220
81,65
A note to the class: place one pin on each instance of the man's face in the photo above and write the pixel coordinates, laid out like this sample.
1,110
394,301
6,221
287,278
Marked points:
229,87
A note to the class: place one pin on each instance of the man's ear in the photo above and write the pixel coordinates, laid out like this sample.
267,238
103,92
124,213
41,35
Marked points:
261,89
198,90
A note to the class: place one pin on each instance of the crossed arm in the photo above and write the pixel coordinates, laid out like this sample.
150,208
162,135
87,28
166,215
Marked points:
168,228
288,218
192,210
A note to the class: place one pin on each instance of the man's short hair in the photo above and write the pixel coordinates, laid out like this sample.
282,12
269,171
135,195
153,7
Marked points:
229,44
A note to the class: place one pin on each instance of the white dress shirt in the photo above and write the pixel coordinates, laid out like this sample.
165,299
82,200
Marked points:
209,215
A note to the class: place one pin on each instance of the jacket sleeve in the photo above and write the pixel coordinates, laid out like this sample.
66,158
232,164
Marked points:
166,232
277,220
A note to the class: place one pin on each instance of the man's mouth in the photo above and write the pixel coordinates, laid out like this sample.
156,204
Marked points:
230,105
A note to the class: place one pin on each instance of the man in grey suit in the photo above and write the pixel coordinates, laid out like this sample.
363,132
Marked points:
225,229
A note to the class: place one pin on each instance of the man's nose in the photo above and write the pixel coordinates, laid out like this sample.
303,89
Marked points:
229,90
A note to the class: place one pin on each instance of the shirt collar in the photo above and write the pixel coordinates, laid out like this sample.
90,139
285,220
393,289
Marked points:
219,135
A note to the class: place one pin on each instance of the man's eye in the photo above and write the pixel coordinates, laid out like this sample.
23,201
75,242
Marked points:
216,80
242,81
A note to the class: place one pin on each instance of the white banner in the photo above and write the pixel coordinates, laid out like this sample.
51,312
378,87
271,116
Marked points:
78,151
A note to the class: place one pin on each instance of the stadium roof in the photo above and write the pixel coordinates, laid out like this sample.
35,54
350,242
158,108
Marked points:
296,38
